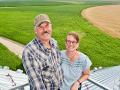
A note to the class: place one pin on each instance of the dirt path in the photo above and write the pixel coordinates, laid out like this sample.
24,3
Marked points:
13,46
107,18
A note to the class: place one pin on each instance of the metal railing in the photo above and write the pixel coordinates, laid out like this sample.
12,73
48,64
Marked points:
98,84
92,80
21,87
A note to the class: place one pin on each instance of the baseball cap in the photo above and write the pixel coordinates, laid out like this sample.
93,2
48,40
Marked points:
41,18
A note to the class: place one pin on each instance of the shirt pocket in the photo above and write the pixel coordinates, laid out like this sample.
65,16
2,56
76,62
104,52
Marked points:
47,73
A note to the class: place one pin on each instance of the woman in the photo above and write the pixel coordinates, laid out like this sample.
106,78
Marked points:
75,65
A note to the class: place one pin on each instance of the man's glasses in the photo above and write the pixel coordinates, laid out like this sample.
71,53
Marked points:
69,42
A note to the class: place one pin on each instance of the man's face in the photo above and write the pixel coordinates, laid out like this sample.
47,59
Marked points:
44,31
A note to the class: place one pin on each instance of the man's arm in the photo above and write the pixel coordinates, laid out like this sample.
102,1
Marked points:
34,75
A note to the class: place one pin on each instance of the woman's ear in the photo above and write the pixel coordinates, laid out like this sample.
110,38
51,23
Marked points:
77,45
65,44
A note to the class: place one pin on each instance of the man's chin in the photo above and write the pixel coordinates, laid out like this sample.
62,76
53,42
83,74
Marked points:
47,36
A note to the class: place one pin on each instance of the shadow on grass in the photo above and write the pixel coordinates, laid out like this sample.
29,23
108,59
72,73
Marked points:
21,67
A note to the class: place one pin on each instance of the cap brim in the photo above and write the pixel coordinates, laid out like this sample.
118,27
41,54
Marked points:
39,23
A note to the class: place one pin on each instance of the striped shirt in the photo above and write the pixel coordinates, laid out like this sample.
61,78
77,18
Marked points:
42,65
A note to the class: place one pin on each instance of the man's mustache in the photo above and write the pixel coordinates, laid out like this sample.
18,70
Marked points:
46,32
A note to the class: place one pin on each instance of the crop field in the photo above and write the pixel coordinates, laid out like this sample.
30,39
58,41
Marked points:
17,18
108,21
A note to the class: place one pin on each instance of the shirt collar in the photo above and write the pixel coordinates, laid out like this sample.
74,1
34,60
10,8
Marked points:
53,42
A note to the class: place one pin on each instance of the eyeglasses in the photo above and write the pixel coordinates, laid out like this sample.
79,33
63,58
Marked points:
69,42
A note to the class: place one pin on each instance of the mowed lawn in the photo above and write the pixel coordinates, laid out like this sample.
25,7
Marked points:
9,59
16,23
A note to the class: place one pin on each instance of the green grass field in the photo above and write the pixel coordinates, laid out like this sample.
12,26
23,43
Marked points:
9,59
16,23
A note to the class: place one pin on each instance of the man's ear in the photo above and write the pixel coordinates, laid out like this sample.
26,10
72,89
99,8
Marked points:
35,32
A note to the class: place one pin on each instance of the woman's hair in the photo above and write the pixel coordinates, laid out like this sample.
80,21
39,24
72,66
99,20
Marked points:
75,35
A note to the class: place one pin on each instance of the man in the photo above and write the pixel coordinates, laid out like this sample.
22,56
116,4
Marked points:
41,58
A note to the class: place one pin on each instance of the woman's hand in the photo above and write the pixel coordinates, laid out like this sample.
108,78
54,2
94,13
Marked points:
75,86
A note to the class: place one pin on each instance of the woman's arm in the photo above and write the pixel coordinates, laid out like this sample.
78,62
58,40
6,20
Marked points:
84,77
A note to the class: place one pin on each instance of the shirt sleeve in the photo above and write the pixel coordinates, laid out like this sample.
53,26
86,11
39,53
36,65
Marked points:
34,75
87,63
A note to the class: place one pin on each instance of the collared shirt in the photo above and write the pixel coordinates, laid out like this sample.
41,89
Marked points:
73,71
42,65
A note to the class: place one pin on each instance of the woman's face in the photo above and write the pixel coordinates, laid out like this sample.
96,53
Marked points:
71,43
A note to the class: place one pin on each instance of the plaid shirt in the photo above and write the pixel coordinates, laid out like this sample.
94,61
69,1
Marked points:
42,66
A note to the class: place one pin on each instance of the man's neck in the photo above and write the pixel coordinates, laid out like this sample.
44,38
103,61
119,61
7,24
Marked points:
47,44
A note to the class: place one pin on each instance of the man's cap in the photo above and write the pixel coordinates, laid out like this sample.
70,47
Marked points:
41,18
